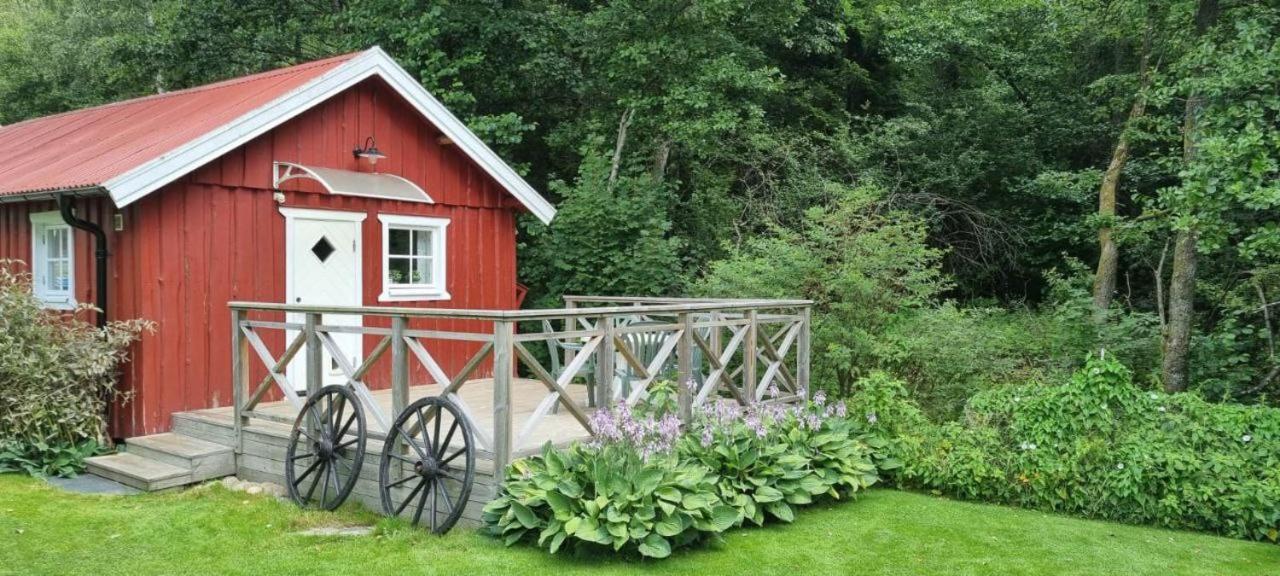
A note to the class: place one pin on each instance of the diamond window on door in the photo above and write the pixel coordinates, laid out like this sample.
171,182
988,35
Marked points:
322,249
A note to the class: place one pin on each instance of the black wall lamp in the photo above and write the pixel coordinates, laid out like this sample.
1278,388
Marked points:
369,151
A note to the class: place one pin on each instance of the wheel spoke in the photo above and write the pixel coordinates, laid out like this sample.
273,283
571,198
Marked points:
409,498
337,416
337,486
347,426
314,482
297,457
422,501
402,481
324,493
435,448
347,444
409,439
447,439
422,427
445,491
435,503
461,451
306,472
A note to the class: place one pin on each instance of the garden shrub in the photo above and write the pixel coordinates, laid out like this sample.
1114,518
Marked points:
649,483
1099,447
57,374
773,456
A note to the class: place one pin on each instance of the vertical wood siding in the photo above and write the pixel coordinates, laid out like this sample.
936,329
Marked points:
217,235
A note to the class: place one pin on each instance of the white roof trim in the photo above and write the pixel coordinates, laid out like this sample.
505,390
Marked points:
131,186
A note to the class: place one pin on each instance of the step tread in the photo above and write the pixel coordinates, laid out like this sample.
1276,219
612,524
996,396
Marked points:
137,467
178,445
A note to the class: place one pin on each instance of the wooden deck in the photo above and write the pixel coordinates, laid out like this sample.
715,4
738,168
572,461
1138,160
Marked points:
261,452
558,428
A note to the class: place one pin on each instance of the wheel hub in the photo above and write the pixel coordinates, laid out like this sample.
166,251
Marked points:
427,468
324,447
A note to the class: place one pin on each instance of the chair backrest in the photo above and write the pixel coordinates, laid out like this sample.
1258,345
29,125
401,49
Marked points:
644,345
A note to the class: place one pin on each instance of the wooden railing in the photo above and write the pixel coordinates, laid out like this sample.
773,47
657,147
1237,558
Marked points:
743,350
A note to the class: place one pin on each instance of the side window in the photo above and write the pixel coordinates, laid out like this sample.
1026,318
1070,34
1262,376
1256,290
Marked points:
53,260
413,258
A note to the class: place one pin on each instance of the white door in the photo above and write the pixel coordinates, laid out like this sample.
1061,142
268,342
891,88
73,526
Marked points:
323,269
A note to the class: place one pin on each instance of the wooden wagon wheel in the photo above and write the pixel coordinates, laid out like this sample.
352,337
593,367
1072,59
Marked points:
326,448
428,463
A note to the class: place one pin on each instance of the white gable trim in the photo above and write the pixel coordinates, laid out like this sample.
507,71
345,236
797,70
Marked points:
133,185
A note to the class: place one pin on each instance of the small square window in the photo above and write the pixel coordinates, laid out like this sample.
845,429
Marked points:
53,260
413,258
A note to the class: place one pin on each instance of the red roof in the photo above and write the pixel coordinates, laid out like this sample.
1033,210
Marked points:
85,148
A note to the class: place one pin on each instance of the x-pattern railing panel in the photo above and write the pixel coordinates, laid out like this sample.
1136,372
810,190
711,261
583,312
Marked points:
730,346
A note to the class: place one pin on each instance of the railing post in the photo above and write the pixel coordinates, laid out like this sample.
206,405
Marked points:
503,371
604,362
802,351
239,375
399,366
315,354
571,323
749,355
684,367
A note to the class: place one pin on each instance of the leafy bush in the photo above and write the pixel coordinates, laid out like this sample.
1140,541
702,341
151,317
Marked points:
947,354
628,490
57,374
647,484
1099,447
861,263
773,457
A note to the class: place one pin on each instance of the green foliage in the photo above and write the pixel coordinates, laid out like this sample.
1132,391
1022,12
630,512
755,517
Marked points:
772,461
605,241
646,485
859,263
58,373
947,354
608,496
1099,447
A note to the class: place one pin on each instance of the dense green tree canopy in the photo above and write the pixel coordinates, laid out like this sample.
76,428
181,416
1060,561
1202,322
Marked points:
691,143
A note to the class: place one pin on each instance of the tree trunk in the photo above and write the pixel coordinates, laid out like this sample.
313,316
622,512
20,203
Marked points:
1177,334
1104,279
1182,284
619,145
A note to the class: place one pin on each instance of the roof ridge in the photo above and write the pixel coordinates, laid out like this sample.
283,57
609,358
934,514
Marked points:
195,89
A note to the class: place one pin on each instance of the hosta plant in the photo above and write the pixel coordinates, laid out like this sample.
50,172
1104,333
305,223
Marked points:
771,457
627,490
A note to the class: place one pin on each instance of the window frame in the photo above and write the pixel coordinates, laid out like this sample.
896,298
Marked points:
438,289
41,224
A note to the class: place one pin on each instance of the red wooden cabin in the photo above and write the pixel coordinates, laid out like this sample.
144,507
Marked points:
340,181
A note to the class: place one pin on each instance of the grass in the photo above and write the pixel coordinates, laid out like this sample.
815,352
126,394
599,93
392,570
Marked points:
211,530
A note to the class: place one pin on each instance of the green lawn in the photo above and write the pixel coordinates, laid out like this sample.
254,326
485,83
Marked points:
211,530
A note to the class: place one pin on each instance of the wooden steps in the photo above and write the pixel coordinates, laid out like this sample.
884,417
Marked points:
163,461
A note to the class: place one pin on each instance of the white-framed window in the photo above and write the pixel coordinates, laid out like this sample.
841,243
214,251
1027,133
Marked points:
413,258
53,265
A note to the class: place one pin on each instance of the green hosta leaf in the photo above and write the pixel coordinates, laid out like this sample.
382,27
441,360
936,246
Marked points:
813,484
524,515
556,541
648,480
668,526
724,517
669,494
514,537
781,511
765,494
560,504
667,507
618,530
571,525
655,546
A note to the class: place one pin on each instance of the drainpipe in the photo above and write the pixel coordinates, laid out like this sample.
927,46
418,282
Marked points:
100,252
100,270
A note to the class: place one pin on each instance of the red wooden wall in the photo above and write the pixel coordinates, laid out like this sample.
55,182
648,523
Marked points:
217,235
